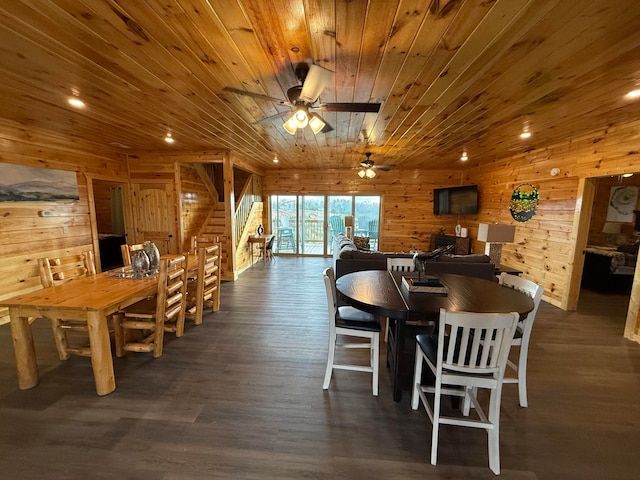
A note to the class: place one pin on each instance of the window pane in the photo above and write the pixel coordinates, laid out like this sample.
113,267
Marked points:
367,218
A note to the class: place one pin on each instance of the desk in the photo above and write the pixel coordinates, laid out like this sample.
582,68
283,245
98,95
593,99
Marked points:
260,240
92,299
382,293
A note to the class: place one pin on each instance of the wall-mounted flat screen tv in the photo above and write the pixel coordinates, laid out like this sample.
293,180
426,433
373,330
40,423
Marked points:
455,200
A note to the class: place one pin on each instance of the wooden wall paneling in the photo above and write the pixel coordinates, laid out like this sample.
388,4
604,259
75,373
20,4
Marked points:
196,203
26,235
407,219
632,323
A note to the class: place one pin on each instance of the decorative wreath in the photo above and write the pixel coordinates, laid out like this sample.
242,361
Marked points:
524,202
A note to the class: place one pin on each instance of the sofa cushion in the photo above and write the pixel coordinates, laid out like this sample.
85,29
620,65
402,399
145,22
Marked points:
361,243
471,258
354,253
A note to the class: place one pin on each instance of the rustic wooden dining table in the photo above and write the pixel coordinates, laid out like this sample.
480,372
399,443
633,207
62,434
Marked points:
384,294
92,299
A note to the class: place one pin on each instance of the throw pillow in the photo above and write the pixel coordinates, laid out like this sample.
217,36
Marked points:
362,243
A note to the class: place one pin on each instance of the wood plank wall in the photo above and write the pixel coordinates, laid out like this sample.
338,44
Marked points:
542,247
24,235
196,203
407,219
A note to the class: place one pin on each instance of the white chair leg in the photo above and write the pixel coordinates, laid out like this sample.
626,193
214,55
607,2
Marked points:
436,424
522,376
330,356
415,396
375,360
494,433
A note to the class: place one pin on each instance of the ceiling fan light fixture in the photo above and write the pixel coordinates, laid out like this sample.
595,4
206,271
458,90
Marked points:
316,123
301,117
361,173
370,173
290,125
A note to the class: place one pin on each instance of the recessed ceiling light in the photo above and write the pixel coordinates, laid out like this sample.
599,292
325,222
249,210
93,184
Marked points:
525,134
275,160
76,102
169,138
464,156
633,93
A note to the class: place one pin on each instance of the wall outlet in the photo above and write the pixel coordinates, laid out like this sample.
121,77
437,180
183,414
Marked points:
65,230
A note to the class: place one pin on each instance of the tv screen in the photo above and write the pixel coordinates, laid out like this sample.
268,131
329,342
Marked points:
455,200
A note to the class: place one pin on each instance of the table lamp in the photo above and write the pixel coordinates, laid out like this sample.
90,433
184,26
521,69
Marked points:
348,225
613,229
495,235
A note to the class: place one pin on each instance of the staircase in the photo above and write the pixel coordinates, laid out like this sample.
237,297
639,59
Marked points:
215,227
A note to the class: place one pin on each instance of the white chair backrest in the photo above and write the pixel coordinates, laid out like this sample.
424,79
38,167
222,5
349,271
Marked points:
529,288
332,303
478,343
400,264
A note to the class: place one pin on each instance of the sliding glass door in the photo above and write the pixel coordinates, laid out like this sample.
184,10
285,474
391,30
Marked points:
307,224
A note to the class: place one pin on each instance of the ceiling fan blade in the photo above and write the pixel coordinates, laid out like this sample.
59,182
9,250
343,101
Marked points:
315,83
349,107
326,129
272,117
385,167
254,95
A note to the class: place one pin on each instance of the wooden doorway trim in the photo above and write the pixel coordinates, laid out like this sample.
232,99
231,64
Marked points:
579,237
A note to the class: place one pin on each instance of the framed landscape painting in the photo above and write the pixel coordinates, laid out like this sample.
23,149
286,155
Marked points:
30,184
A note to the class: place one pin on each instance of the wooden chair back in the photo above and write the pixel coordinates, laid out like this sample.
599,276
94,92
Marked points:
400,264
202,241
206,283
151,318
56,271
127,250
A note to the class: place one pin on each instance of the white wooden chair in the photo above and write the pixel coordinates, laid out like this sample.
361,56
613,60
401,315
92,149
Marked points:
349,321
204,289
150,318
56,271
462,364
397,265
523,332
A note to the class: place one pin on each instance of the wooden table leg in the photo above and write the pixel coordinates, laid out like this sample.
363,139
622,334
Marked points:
25,352
101,359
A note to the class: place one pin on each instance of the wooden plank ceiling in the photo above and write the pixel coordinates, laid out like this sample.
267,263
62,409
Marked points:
451,75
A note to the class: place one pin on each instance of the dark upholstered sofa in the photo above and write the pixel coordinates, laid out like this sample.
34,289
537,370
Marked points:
347,258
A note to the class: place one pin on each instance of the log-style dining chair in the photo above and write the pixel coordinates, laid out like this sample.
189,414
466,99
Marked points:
203,289
523,332
462,363
59,270
150,318
127,250
349,321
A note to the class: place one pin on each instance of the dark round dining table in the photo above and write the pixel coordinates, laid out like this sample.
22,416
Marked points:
384,294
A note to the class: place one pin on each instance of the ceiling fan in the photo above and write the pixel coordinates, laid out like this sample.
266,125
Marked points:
303,98
368,167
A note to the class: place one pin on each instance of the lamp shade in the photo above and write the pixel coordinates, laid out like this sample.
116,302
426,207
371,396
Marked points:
612,227
496,233
348,221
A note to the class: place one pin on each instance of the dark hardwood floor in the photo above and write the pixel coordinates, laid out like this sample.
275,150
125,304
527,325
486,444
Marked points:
240,397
